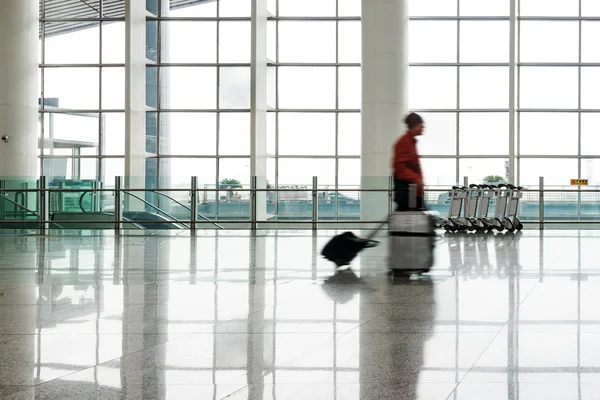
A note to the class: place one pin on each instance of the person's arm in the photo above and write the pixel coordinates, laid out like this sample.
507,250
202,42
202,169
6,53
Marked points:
402,164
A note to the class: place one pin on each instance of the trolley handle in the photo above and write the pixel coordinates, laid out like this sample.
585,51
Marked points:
474,186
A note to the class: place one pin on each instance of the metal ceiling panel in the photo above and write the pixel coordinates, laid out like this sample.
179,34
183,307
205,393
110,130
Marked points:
81,9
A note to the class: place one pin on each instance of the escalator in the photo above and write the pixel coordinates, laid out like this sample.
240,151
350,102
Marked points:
17,216
159,219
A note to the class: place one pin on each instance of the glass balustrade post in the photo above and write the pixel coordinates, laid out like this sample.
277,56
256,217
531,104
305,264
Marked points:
541,199
193,203
253,210
315,202
118,205
42,206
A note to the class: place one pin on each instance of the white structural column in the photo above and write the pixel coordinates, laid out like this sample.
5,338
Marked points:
135,93
384,96
19,41
258,89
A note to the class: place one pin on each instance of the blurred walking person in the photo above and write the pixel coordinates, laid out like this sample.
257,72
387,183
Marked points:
407,165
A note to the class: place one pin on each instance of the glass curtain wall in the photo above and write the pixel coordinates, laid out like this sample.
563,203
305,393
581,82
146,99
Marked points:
199,91
559,73
82,97
314,92
459,82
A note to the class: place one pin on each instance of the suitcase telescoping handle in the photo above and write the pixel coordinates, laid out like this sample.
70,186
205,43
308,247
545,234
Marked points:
412,204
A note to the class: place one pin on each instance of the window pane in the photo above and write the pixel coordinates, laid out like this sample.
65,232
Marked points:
271,129
349,87
549,41
59,47
548,133
476,169
304,41
75,88
590,133
114,134
152,40
432,8
590,87
349,138
307,87
350,41
234,8
349,8
483,133
112,167
197,51
272,40
113,42
113,88
590,169
234,134
349,173
235,168
483,87
556,172
439,172
479,8
81,128
487,41
590,41
191,87
152,132
204,9
234,88
590,8
272,7
549,8
432,87
152,86
306,134
425,46
439,137
190,134
234,42
182,169
549,87
307,8
299,171
271,87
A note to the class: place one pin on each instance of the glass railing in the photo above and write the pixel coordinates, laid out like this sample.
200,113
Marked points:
40,205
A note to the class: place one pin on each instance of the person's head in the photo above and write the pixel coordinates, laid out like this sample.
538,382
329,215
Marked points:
414,123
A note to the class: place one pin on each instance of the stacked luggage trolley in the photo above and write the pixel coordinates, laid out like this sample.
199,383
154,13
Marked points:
470,208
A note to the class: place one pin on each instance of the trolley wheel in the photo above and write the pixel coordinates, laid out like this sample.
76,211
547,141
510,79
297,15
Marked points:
500,226
510,227
519,226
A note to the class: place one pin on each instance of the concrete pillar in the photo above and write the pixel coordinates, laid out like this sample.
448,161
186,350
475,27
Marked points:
258,92
384,96
19,41
135,94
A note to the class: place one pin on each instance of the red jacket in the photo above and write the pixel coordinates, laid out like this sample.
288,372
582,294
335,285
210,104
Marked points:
406,164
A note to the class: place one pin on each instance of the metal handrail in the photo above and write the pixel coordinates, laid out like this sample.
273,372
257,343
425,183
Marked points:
174,220
19,205
188,208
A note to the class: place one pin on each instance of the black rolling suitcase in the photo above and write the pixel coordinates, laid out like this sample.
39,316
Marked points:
343,248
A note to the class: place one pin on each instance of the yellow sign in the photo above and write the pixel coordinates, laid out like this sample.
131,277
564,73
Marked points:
579,182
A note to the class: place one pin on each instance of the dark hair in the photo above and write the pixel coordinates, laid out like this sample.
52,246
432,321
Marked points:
412,120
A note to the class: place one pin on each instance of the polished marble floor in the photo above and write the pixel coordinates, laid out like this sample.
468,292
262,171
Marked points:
229,315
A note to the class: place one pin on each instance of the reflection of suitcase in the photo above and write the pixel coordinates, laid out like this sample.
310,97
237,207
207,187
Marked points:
411,241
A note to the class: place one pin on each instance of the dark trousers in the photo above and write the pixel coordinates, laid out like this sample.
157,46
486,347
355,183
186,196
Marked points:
401,196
